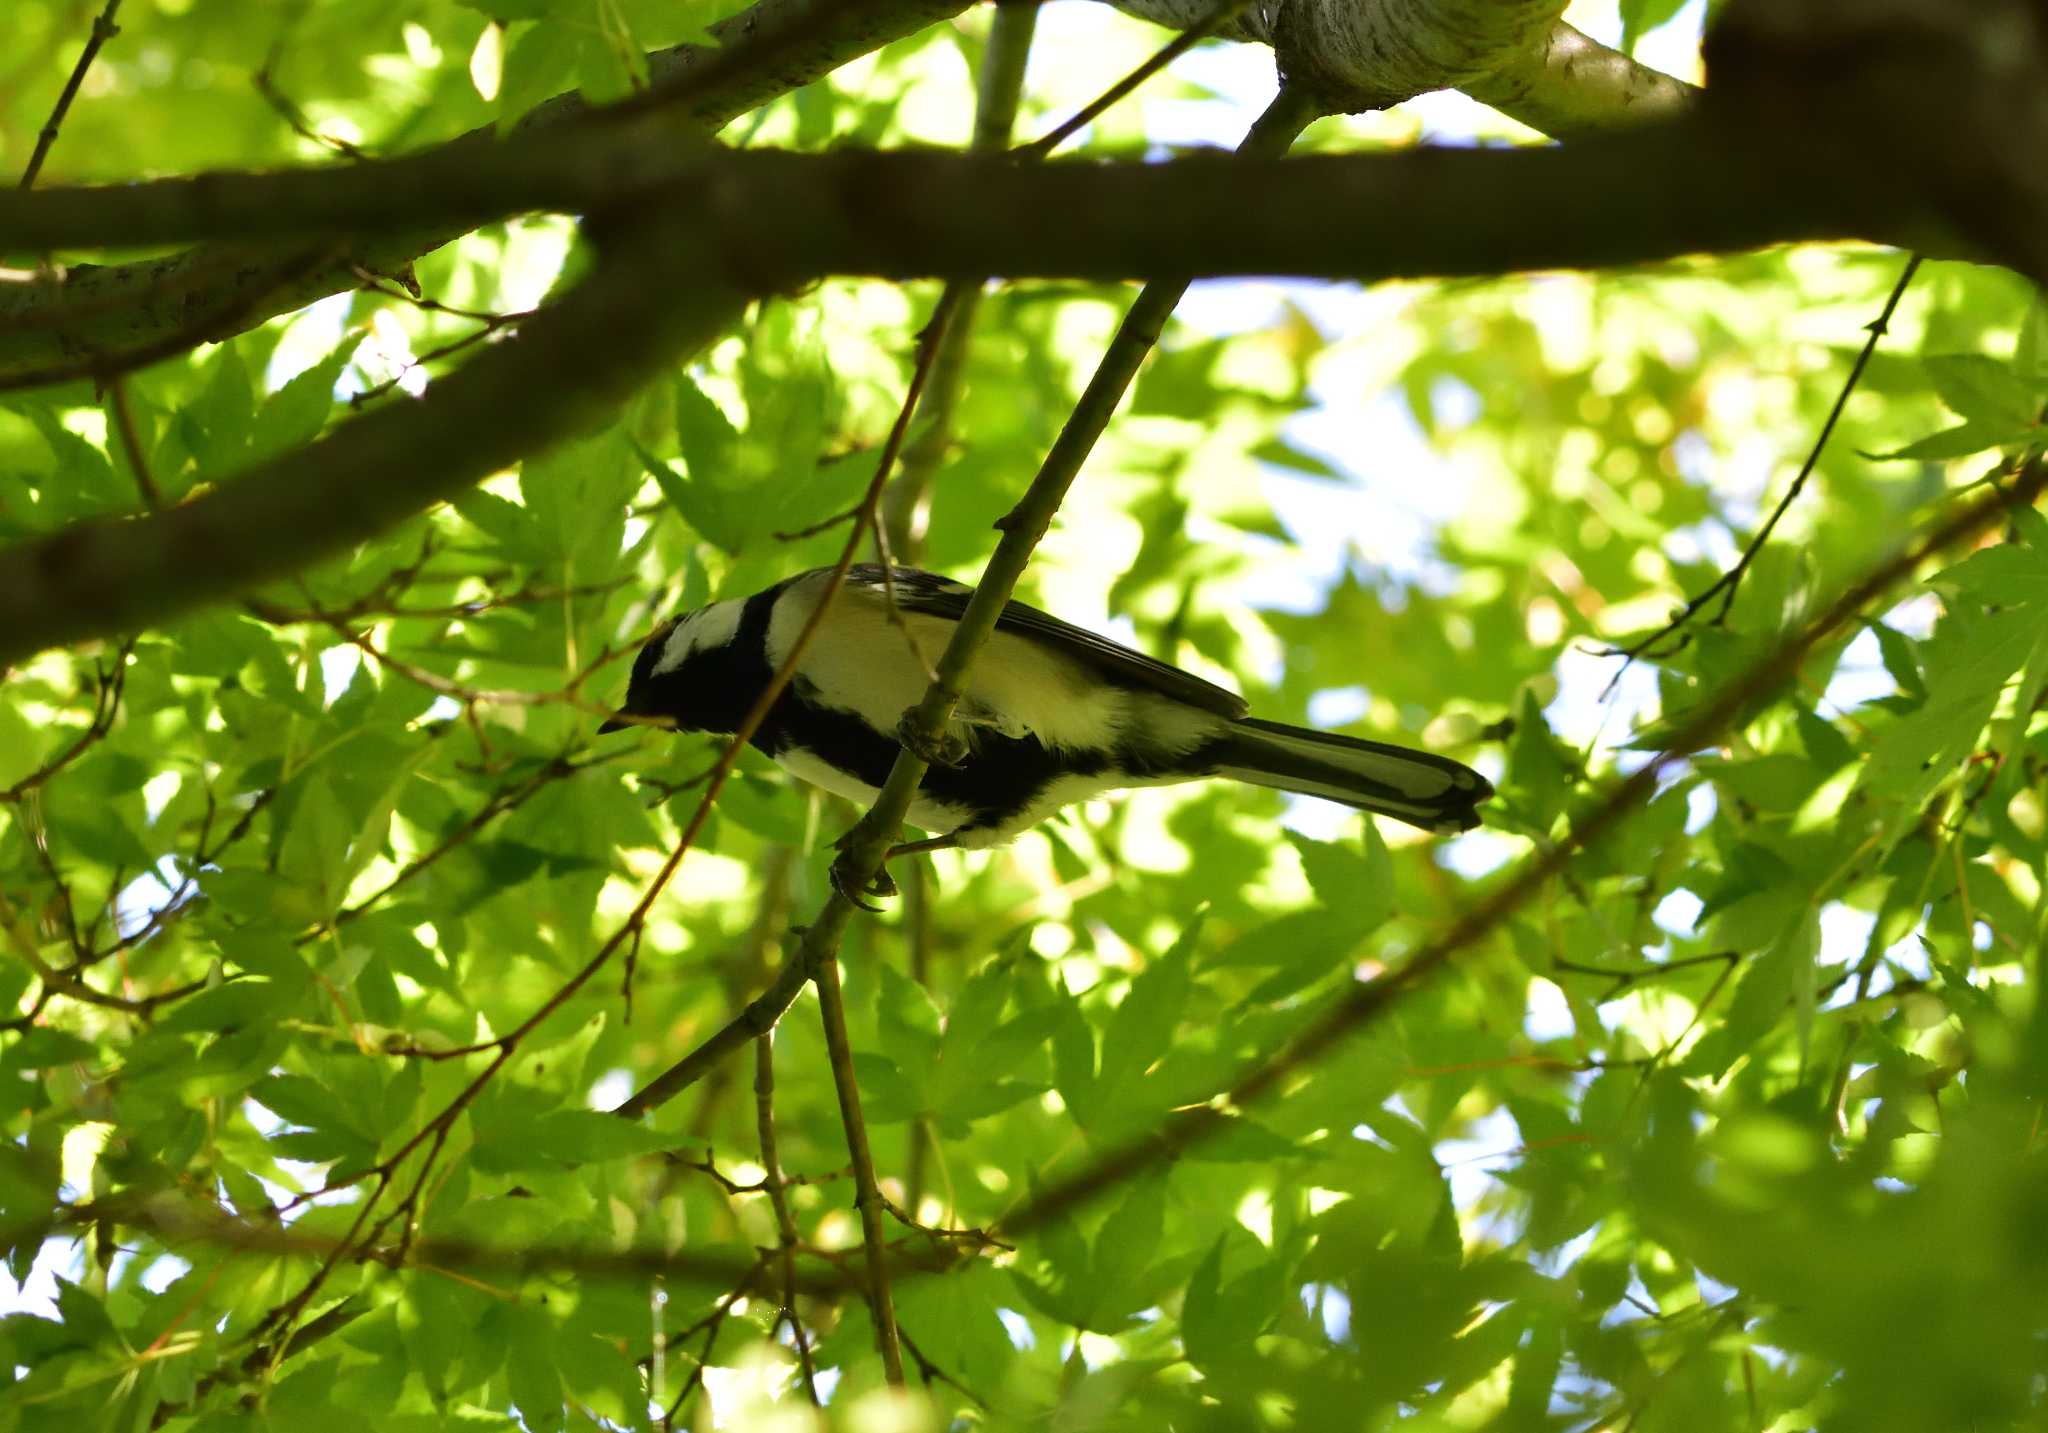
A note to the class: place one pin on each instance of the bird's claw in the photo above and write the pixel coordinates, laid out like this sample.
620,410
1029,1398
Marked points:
947,749
845,880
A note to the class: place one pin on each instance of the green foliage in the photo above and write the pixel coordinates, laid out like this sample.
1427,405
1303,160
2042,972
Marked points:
1732,1124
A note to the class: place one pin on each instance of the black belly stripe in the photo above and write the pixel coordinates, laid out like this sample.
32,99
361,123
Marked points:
1002,777
838,738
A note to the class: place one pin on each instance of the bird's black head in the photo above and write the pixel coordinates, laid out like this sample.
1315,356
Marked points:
696,674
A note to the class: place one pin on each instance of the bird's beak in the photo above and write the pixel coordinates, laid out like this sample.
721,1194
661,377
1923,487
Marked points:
617,723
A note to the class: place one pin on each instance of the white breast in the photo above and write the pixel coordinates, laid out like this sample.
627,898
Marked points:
938,817
863,662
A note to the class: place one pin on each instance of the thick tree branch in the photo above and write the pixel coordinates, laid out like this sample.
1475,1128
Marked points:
1732,175
1371,56
771,48
1568,86
566,371
1515,55
1718,181
1506,54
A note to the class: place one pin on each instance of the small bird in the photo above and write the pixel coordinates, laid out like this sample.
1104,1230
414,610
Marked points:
1052,714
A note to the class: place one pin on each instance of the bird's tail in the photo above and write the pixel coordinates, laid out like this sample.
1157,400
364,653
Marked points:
1432,792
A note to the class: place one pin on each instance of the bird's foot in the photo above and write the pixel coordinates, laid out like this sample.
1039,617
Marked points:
845,880
947,749
881,885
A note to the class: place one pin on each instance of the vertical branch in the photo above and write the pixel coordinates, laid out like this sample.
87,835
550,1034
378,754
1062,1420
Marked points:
103,30
816,958
748,971
867,1194
995,114
867,844
1214,21
130,433
917,924
907,508
778,1199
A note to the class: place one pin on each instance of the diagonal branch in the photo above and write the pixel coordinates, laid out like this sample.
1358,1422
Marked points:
103,30
1728,583
1363,1004
1569,85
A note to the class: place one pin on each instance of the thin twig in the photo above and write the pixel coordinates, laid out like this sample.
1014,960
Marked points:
68,984
380,284
380,604
180,897
492,323
180,1220
931,1373
103,30
106,704
1179,45
998,92
785,1222
500,802
745,969
823,524
917,927
1726,585
446,686
1624,980
288,111
979,1237
130,434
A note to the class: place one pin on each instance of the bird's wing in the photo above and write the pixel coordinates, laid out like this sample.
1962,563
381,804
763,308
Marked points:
920,591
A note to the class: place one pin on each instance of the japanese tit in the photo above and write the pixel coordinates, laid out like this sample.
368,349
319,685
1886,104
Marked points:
1052,714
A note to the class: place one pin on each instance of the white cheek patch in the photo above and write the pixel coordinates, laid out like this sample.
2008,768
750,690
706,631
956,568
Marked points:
702,630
